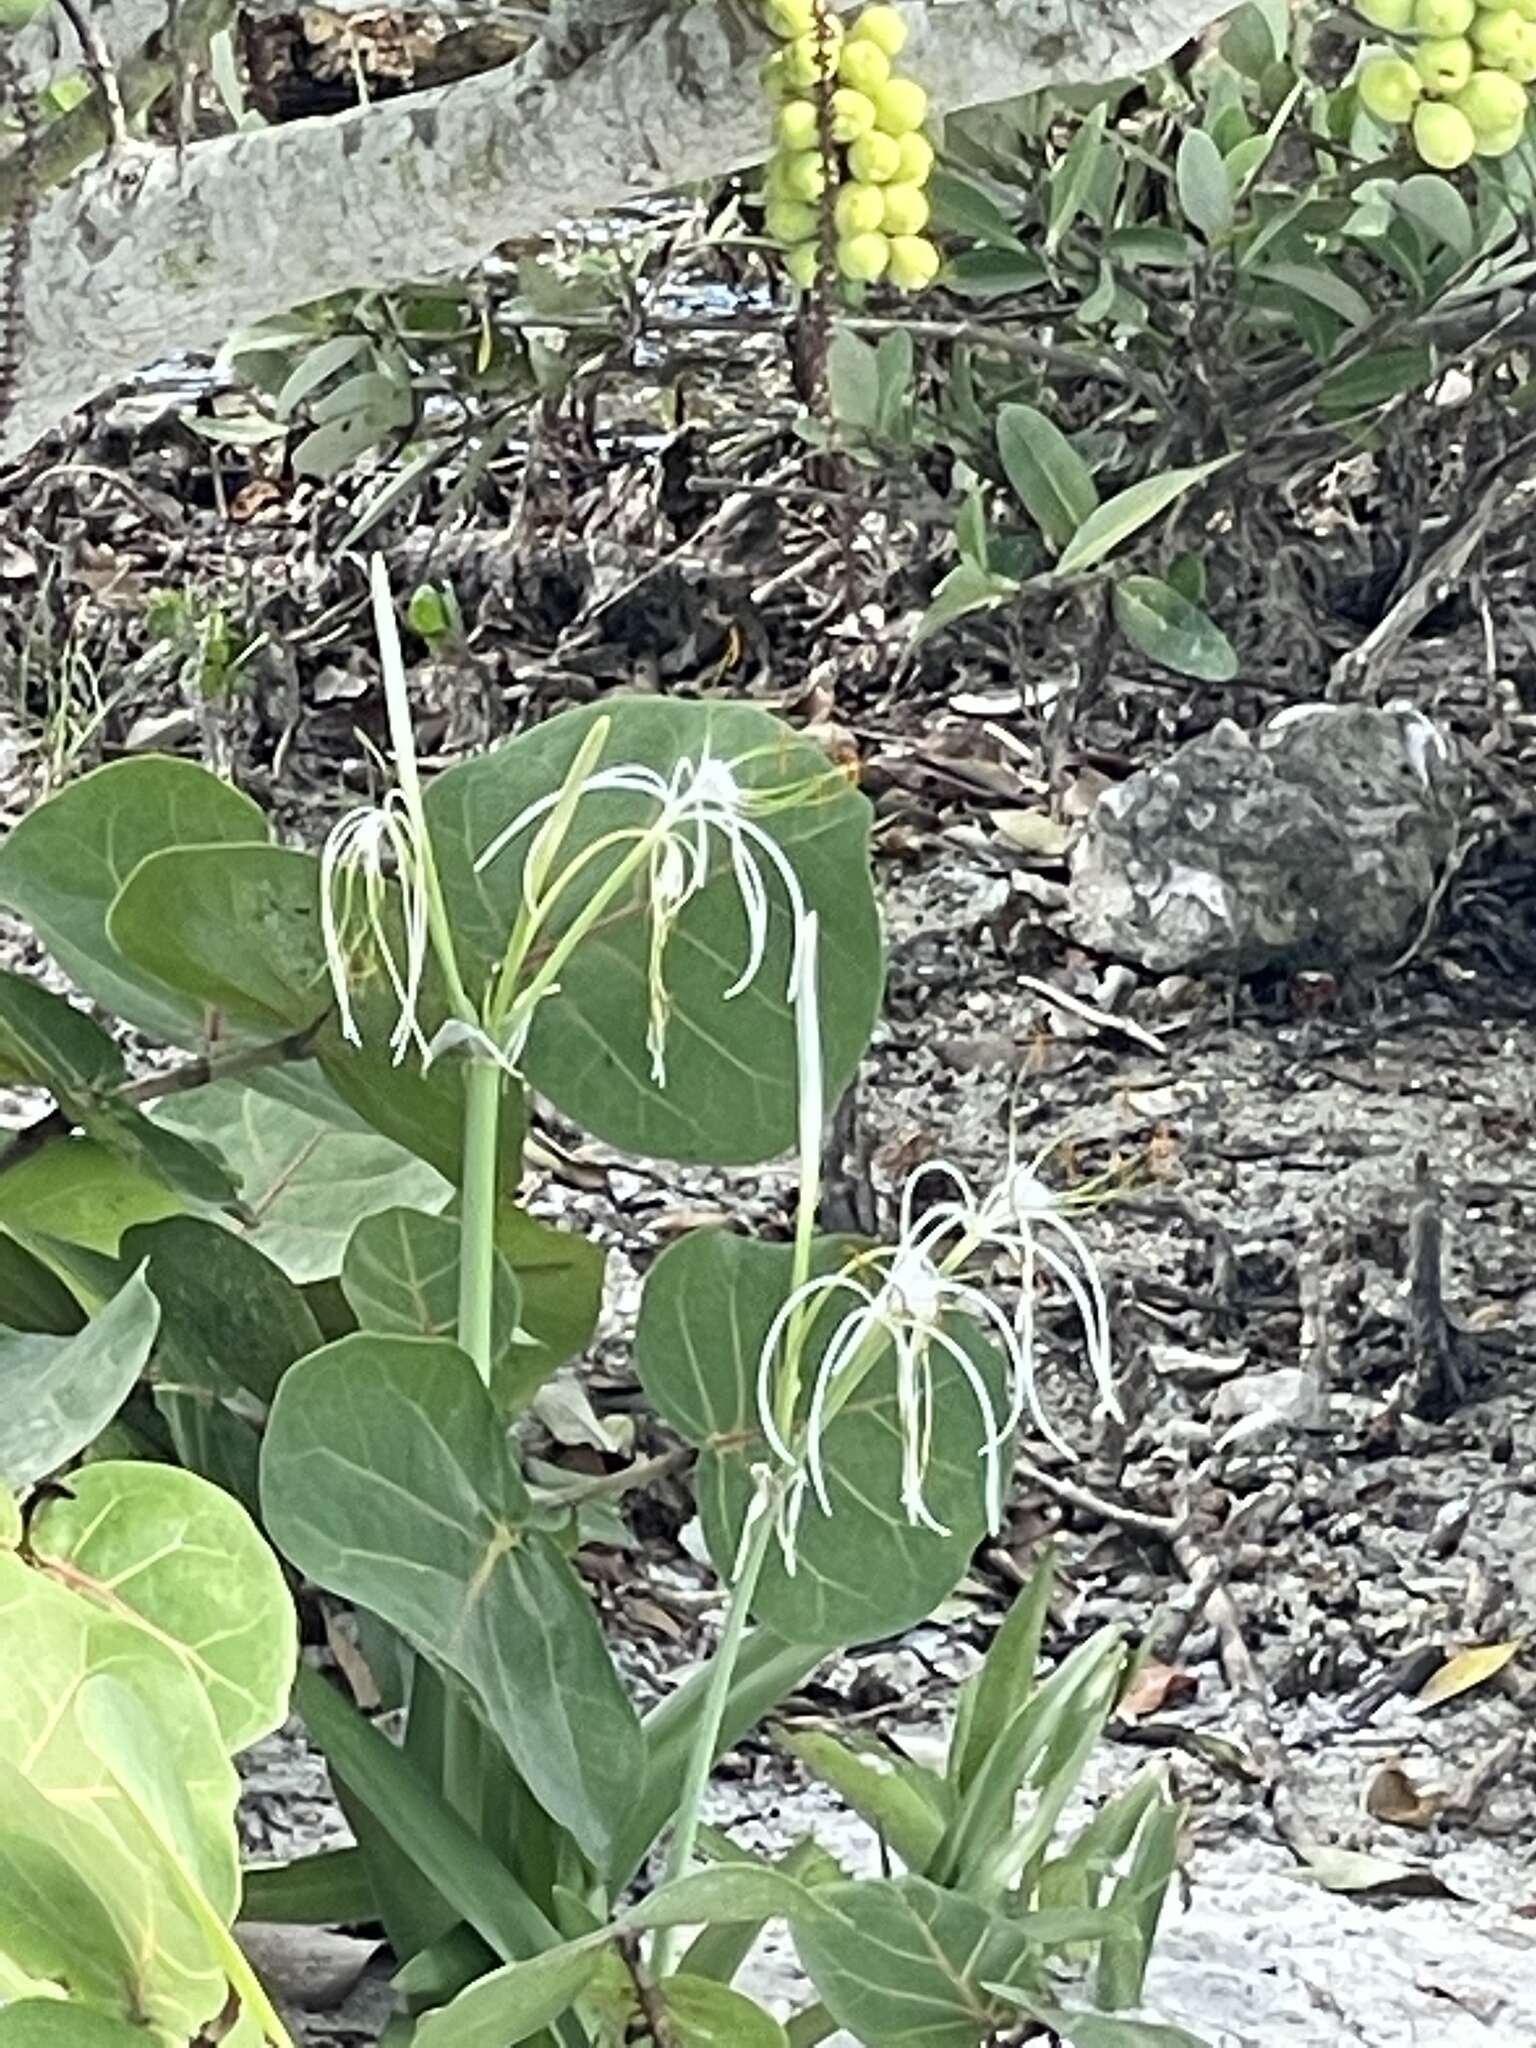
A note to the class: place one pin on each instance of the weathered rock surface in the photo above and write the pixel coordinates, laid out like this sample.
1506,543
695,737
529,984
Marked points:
1314,845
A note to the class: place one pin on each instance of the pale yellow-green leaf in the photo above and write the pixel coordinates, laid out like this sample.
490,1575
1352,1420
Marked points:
1464,1670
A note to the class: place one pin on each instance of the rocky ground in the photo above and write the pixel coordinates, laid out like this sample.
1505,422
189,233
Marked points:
1321,1248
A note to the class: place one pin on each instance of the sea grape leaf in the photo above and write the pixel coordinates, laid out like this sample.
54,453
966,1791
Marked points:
730,1094
229,1315
387,1477
165,1551
306,1181
62,867
560,1276
707,1306
58,1393
400,1274
52,1792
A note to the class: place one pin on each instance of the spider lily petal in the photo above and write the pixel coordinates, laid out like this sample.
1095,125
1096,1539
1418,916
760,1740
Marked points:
699,801
355,861
907,1299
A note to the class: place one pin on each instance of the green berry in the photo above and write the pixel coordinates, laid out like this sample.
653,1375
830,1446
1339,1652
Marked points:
1491,102
900,105
857,209
1499,142
863,257
1443,17
790,18
853,114
875,158
790,221
883,27
863,65
1444,63
803,262
914,263
1388,88
906,210
916,164
1394,15
799,124
803,176
1523,66
1499,35
1442,136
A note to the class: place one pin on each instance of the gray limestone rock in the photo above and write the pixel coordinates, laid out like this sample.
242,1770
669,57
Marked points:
1315,844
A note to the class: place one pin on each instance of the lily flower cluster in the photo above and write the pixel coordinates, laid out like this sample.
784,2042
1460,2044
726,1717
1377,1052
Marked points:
908,1299
911,1300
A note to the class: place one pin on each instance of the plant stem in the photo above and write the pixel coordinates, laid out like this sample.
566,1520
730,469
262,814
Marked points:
477,1228
685,1829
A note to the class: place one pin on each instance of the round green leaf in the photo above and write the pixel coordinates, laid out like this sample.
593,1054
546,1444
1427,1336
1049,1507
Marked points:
68,1834
61,2023
400,1274
229,1316
81,1193
238,931
306,1180
32,1297
387,1477
731,1083
560,1281
235,928
58,1393
863,1571
63,865
165,1551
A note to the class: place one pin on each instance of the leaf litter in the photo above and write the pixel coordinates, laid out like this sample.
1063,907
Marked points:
1309,1584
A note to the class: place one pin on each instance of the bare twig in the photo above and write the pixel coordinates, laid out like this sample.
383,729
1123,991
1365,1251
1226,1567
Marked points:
1358,674
197,1073
653,2013
97,62
1439,1385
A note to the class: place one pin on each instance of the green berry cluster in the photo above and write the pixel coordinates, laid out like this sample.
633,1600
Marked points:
1462,80
879,163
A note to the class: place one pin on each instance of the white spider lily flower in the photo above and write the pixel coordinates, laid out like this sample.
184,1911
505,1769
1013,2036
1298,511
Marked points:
698,802
355,864
903,1298
903,1306
1020,1216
